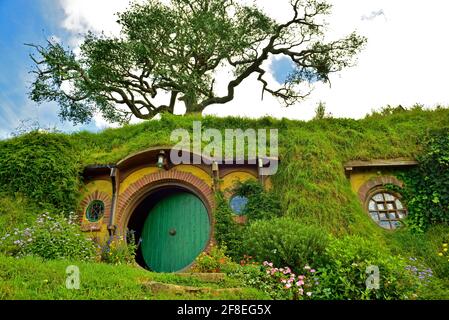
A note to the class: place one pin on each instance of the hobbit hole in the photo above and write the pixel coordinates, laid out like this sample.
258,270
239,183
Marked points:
371,181
168,207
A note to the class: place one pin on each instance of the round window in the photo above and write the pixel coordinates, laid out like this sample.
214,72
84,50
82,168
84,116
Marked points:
386,210
238,204
95,211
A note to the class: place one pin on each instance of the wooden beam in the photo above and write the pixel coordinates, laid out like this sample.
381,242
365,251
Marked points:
400,162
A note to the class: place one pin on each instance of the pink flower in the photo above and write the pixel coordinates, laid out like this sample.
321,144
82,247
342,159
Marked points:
301,277
288,285
300,283
284,281
265,263
313,271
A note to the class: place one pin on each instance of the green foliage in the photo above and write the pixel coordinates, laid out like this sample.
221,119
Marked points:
285,241
255,276
49,237
424,246
120,250
213,261
176,48
310,182
345,274
15,211
228,233
277,283
426,190
42,167
261,204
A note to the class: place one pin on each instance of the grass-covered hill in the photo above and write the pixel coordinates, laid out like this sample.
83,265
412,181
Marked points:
41,170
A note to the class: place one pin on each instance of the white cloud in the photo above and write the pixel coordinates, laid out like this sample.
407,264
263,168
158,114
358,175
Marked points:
405,61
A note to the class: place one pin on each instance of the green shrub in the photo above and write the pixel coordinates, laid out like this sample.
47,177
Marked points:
214,261
425,246
15,210
119,249
286,242
426,190
228,233
277,283
49,237
254,276
261,204
43,167
345,275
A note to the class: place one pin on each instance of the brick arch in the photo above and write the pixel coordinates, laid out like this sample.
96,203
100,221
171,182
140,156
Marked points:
137,191
97,195
377,182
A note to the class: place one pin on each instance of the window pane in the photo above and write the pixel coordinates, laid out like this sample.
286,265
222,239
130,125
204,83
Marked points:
378,197
385,224
388,197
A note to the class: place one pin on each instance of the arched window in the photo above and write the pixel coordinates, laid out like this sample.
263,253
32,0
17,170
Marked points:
95,211
386,209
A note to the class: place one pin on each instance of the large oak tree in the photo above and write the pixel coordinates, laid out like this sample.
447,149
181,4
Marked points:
174,50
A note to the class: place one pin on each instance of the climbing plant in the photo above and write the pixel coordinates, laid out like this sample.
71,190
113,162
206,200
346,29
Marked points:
426,189
228,233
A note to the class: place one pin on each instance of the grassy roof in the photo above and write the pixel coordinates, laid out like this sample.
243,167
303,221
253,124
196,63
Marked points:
311,179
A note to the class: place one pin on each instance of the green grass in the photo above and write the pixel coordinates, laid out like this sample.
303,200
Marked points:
33,279
311,179
15,211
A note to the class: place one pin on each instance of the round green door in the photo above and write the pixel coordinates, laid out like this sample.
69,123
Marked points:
175,232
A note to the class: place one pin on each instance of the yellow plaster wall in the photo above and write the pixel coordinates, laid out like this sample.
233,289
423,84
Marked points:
91,187
229,180
98,185
268,184
133,177
198,172
358,179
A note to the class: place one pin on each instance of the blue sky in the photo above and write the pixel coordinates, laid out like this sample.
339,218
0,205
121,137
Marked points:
26,21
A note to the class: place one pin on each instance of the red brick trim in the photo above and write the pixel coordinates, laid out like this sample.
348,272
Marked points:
128,200
86,225
367,187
